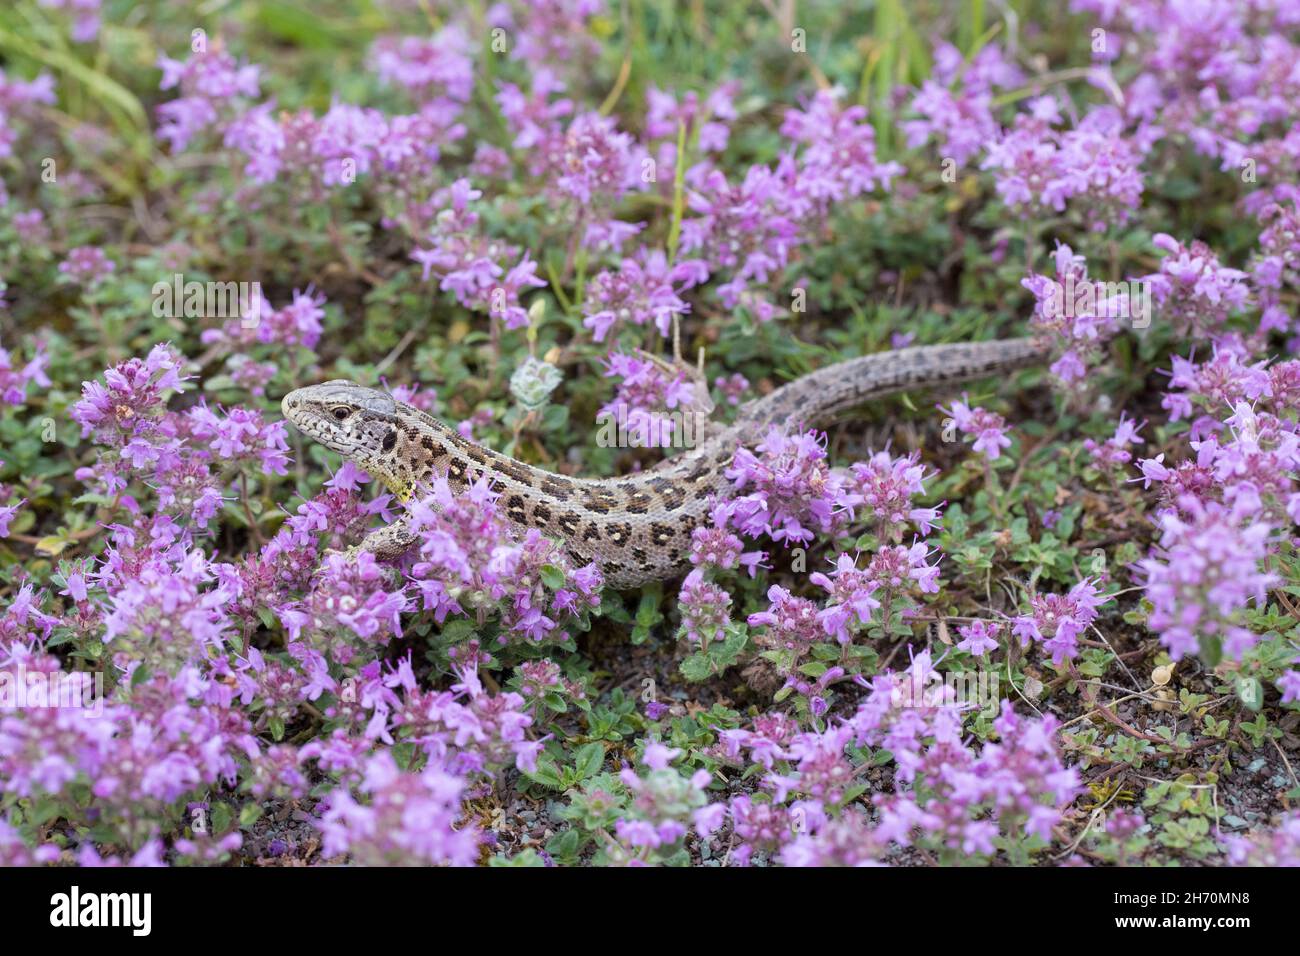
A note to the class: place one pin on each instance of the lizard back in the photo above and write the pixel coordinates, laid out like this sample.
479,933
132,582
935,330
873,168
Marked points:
637,528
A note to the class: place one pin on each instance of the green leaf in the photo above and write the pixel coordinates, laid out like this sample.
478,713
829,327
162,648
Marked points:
297,24
565,845
552,577
648,615
588,760
1250,692
222,816
249,814
697,667
526,858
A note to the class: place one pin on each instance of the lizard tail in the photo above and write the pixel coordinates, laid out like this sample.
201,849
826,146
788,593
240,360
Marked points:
817,398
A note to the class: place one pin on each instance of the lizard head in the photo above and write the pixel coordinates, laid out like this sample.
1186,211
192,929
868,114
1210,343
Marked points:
362,424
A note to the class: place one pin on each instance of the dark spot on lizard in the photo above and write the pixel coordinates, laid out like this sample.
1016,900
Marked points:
516,471
674,499
559,488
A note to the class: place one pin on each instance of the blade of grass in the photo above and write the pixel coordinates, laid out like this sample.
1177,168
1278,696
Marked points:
121,105
679,194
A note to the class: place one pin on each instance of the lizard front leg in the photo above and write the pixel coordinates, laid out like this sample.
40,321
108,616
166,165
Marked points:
391,541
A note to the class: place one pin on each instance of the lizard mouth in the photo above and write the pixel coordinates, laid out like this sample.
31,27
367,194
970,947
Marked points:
297,412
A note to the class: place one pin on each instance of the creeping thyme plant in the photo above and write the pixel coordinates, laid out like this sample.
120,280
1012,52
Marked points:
1050,619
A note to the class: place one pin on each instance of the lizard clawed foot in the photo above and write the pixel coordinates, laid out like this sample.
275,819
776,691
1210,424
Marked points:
349,553
702,404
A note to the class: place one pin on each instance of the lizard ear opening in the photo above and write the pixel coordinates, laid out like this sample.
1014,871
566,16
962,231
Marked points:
390,439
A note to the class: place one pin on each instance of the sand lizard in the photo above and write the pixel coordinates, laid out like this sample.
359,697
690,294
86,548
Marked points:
636,528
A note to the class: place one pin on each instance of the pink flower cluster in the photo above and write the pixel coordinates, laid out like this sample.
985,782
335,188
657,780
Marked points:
1057,620
952,797
960,120
1039,169
989,428
14,380
483,273
469,562
645,396
644,290
1075,314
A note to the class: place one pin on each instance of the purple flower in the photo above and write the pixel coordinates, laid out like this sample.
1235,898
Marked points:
650,403
1289,685
663,805
1114,451
838,161
87,266
733,387
1193,290
643,290
1038,169
1057,620
14,381
241,433
988,428
407,819
476,269
350,600
1272,848
85,17
130,401
595,163
433,69
1207,566
790,623
210,82
960,120
881,490
790,493
705,609
979,637
747,230
468,554
549,32
1075,314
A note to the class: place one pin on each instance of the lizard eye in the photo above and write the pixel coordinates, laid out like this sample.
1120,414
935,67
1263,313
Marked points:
341,412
